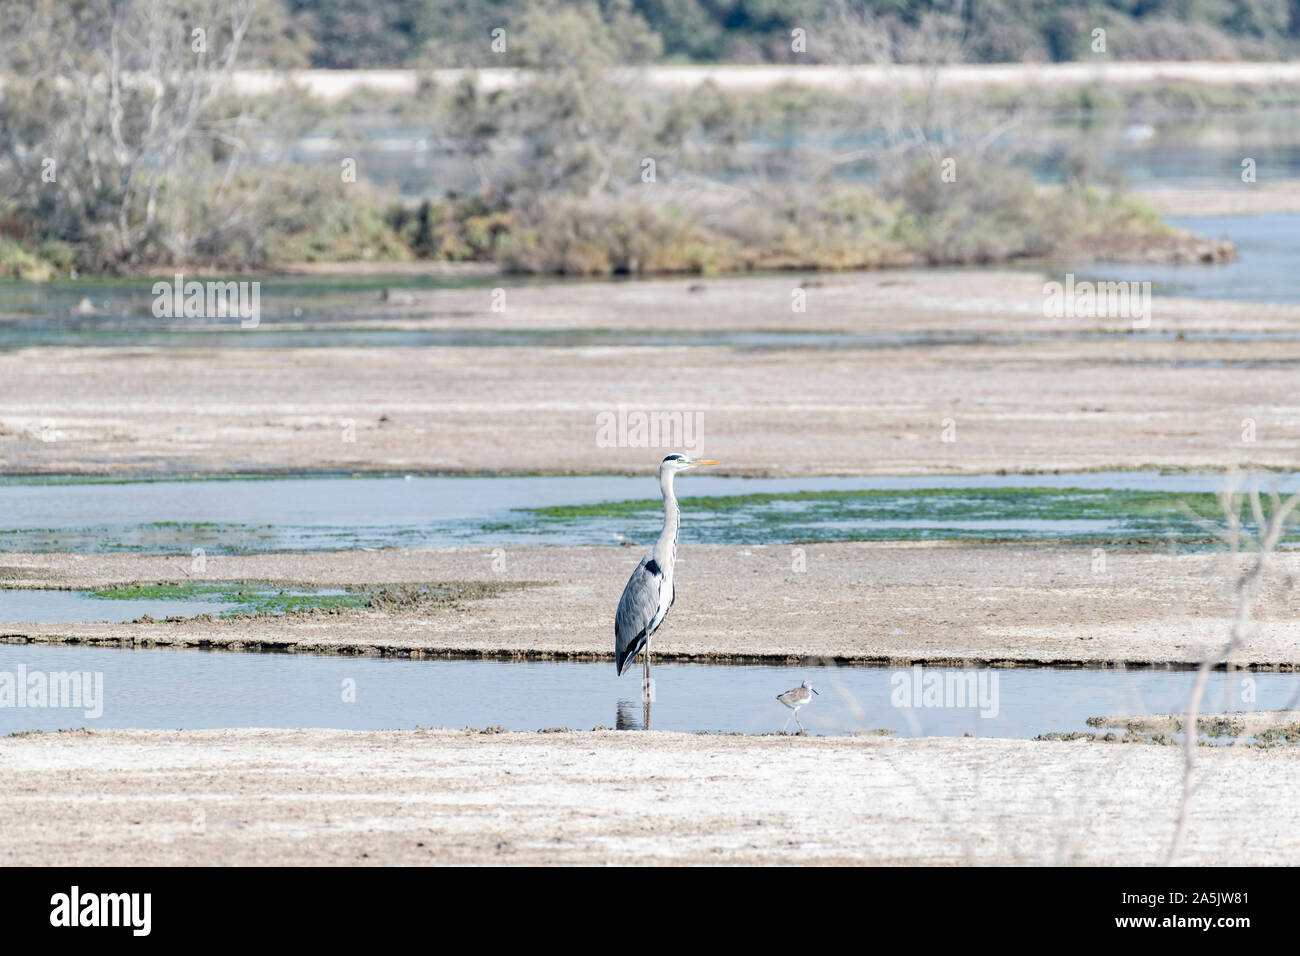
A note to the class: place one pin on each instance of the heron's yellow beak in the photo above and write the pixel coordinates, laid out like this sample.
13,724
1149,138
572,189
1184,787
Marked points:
702,461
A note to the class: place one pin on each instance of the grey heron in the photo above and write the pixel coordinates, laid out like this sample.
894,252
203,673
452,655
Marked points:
796,698
649,592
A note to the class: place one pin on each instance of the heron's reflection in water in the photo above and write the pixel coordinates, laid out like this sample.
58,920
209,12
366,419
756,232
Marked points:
632,714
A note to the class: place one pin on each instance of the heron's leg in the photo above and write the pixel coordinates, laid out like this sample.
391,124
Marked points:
645,682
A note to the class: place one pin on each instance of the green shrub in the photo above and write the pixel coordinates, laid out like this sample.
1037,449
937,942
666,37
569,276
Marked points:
17,262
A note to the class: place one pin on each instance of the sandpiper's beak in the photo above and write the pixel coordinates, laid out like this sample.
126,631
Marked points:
815,691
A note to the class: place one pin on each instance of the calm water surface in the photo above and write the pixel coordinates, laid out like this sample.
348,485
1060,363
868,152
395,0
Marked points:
168,689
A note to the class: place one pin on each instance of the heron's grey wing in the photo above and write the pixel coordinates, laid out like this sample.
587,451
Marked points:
636,611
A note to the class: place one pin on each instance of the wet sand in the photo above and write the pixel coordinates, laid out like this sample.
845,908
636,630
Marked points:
855,602
1057,402
333,797
1237,724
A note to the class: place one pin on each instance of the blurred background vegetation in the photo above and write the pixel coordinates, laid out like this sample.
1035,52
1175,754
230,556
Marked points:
412,33
126,147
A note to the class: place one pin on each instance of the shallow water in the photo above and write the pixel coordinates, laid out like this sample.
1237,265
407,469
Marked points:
42,606
328,513
31,606
47,334
40,334
1195,148
169,689
339,312
1267,268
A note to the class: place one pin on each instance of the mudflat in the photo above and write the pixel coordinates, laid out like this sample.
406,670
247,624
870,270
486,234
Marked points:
1002,386
268,797
852,602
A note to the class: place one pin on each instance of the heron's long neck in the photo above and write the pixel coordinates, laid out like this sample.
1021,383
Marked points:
666,548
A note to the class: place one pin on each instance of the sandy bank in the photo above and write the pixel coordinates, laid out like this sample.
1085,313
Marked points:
864,602
333,84
1234,199
334,797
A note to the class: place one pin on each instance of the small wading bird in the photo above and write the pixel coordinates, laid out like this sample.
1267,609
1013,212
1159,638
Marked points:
649,592
796,698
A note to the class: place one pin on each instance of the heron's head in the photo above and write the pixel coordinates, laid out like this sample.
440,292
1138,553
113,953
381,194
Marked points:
807,685
675,463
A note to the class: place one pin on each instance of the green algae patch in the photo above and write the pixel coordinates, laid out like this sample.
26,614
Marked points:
244,598
1079,515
